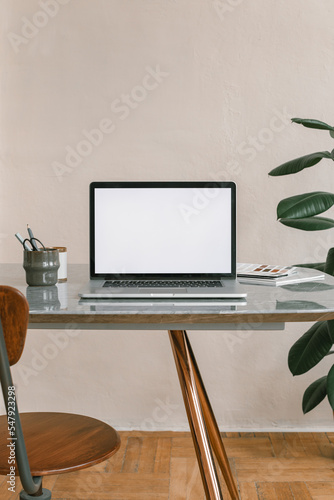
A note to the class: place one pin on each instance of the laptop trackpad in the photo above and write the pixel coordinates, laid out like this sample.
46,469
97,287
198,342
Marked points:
159,291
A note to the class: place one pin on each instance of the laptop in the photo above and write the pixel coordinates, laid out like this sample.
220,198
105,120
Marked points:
163,240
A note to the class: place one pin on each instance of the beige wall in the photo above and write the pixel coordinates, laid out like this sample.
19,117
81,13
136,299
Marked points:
179,89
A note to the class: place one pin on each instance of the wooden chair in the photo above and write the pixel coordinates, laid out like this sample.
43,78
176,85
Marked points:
33,445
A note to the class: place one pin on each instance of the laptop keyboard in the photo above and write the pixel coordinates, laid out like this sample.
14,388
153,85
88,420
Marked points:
162,283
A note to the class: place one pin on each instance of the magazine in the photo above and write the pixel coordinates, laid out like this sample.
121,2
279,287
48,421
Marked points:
283,275
264,270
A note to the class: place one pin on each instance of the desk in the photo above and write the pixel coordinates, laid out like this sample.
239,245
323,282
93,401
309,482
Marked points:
266,308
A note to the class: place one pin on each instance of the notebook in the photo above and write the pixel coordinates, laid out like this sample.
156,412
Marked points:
163,240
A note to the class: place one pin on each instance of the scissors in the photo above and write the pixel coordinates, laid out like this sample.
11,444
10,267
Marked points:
29,244
31,240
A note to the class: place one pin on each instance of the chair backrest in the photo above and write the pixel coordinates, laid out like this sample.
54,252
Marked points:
14,314
14,317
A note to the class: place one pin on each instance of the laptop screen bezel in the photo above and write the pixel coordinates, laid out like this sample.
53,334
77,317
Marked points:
168,184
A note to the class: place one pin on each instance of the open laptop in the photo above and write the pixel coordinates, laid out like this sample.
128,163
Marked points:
163,240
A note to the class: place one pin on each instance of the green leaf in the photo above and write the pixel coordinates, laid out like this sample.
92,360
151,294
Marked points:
314,394
310,349
330,324
309,123
330,387
329,266
305,205
294,166
309,223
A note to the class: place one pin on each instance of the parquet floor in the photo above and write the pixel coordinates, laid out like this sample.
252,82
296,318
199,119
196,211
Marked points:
162,466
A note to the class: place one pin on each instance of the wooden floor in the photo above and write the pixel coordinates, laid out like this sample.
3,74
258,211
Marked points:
162,466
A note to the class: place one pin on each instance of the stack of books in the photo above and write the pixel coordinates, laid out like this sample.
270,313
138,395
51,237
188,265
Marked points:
274,275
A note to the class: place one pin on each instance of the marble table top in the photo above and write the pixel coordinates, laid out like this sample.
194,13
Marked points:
266,307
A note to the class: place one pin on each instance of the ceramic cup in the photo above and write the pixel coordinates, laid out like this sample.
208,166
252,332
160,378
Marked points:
41,267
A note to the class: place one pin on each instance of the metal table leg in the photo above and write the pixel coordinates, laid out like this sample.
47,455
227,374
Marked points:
202,422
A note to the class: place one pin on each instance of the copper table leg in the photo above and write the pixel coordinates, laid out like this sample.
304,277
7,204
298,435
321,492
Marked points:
213,430
202,422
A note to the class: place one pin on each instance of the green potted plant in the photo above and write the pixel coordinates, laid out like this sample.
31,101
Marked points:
302,212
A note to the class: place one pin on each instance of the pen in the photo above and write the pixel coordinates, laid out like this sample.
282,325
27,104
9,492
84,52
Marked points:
21,240
32,238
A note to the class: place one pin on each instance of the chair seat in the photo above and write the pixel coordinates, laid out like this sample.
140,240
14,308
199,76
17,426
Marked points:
60,442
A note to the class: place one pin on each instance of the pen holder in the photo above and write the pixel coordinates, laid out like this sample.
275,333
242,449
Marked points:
41,267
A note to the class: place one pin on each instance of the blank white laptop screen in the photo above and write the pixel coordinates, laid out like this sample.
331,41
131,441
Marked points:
162,230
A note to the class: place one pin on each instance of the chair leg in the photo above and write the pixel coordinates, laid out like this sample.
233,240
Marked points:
40,495
195,415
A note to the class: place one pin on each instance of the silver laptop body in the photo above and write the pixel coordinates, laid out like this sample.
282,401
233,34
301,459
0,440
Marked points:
156,240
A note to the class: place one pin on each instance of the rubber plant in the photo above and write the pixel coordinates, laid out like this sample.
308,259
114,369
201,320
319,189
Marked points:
302,212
